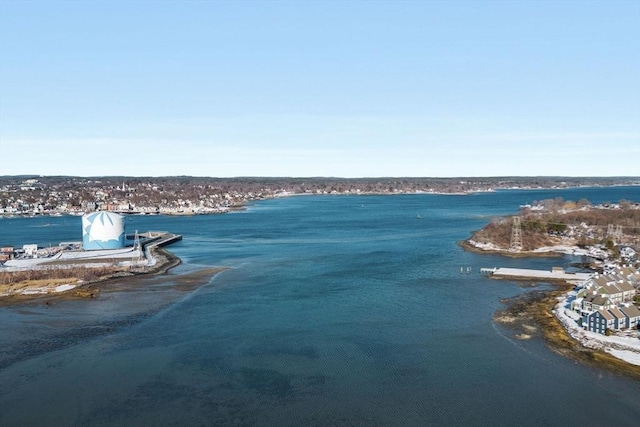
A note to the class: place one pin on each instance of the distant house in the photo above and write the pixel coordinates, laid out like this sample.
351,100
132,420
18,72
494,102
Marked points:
6,253
627,252
629,274
595,302
613,319
618,286
30,250
618,291
600,321
619,319
632,314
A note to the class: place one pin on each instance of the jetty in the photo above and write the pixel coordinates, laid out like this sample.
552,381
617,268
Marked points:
154,239
555,274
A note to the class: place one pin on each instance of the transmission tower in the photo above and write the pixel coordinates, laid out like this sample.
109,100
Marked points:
619,232
615,233
516,235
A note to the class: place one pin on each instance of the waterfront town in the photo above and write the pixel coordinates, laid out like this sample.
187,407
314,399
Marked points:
37,195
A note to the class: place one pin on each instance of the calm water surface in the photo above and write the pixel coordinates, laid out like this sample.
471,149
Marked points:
335,311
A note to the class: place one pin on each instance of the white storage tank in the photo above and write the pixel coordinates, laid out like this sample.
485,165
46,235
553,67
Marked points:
103,230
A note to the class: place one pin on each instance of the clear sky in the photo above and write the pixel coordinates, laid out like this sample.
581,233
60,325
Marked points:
320,88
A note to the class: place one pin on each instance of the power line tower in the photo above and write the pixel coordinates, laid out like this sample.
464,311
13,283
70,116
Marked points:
615,233
516,235
618,233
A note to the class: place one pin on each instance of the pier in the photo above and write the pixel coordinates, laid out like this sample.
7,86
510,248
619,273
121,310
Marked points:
153,239
555,274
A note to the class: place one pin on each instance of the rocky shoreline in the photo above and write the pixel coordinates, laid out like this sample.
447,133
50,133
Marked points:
531,314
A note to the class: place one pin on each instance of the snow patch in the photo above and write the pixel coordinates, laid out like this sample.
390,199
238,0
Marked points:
626,348
628,356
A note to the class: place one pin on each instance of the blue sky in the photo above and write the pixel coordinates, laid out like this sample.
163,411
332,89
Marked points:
326,88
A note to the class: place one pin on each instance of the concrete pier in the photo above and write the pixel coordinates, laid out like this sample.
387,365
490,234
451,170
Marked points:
159,238
556,274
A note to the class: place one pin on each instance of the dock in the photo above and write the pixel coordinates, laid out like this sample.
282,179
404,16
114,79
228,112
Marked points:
153,239
555,274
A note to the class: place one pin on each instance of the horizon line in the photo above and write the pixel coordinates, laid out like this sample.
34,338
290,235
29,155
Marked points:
329,176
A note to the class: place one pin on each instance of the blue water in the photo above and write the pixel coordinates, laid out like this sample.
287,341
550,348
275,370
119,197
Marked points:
336,310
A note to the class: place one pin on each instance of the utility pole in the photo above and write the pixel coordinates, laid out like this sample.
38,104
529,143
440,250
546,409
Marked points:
516,235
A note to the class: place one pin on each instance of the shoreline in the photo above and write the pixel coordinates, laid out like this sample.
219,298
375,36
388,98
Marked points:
448,189
543,308
164,261
551,253
538,308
